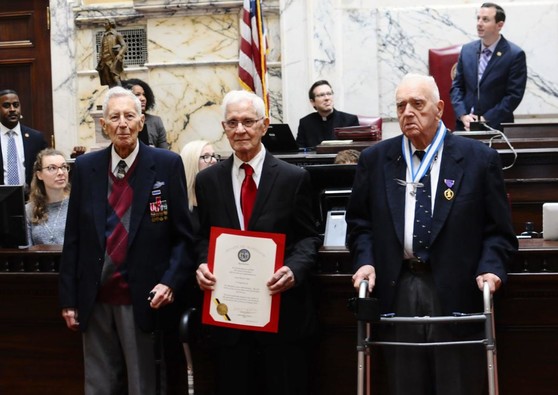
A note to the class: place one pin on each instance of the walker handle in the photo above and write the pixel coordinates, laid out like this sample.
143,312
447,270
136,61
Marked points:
363,289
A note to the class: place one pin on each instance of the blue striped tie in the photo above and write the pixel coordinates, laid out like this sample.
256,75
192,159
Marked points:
483,61
12,162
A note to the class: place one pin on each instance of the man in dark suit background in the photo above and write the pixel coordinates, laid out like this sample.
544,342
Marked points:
128,235
29,142
491,74
319,125
255,362
469,240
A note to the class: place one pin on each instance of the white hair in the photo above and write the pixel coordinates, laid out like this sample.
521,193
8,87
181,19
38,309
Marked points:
427,79
118,91
234,97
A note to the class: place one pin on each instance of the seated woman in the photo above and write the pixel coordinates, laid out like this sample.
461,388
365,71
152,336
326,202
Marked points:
48,198
153,132
196,156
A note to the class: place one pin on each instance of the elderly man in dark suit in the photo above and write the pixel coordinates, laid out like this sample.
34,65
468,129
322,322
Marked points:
491,74
427,234
256,362
28,142
128,237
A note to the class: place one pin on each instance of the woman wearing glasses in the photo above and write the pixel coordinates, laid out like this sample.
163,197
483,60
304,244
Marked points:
48,198
196,155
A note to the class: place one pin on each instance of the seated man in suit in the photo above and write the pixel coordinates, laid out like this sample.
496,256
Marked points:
28,142
319,125
252,362
491,74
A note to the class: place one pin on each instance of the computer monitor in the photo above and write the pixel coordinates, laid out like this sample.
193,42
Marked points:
331,188
13,227
279,139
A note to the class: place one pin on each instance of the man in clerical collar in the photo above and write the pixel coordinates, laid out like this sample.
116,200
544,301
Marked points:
319,125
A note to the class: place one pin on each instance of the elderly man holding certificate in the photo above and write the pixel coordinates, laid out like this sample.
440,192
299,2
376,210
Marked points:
257,247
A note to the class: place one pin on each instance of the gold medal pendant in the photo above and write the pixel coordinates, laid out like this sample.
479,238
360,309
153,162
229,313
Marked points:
448,193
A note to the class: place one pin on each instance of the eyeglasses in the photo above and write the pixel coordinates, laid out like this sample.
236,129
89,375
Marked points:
247,123
208,157
320,95
53,169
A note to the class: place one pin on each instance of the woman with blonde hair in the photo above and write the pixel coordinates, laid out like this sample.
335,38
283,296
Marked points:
48,198
196,156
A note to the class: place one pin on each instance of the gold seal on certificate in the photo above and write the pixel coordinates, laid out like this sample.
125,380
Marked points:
222,309
243,262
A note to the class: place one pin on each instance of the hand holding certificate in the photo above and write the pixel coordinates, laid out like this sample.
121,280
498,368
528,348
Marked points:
242,263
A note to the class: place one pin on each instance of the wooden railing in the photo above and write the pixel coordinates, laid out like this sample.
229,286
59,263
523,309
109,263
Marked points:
38,353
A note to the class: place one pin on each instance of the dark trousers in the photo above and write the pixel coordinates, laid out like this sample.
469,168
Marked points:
445,370
250,368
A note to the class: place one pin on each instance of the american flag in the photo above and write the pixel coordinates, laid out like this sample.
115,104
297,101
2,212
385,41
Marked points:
252,66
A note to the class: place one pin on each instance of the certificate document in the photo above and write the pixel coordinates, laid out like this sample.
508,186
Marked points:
243,262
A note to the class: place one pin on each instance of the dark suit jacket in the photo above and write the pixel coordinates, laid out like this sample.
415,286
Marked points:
312,129
158,252
33,143
156,131
501,87
471,233
282,205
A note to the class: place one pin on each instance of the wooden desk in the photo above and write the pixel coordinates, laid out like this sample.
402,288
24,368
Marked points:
38,353
533,130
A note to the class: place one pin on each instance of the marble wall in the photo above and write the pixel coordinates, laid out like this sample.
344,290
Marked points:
362,47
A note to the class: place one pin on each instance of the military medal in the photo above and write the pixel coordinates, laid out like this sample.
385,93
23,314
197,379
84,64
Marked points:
448,193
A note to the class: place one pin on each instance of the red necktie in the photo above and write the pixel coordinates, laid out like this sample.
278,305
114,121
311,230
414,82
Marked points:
247,193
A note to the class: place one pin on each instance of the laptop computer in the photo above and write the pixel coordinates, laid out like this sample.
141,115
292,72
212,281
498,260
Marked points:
279,139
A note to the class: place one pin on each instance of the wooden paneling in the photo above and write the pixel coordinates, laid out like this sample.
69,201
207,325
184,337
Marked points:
16,30
39,354
25,63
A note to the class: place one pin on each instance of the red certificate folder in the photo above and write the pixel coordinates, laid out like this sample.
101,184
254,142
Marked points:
217,304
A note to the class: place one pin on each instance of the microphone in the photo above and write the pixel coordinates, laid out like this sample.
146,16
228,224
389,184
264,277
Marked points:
474,126
478,76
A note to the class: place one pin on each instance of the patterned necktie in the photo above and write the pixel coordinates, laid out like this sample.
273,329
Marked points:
423,217
12,162
483,61
121,170
247,193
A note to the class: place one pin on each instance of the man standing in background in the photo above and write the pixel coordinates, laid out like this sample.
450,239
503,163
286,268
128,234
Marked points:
19,144
491,74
